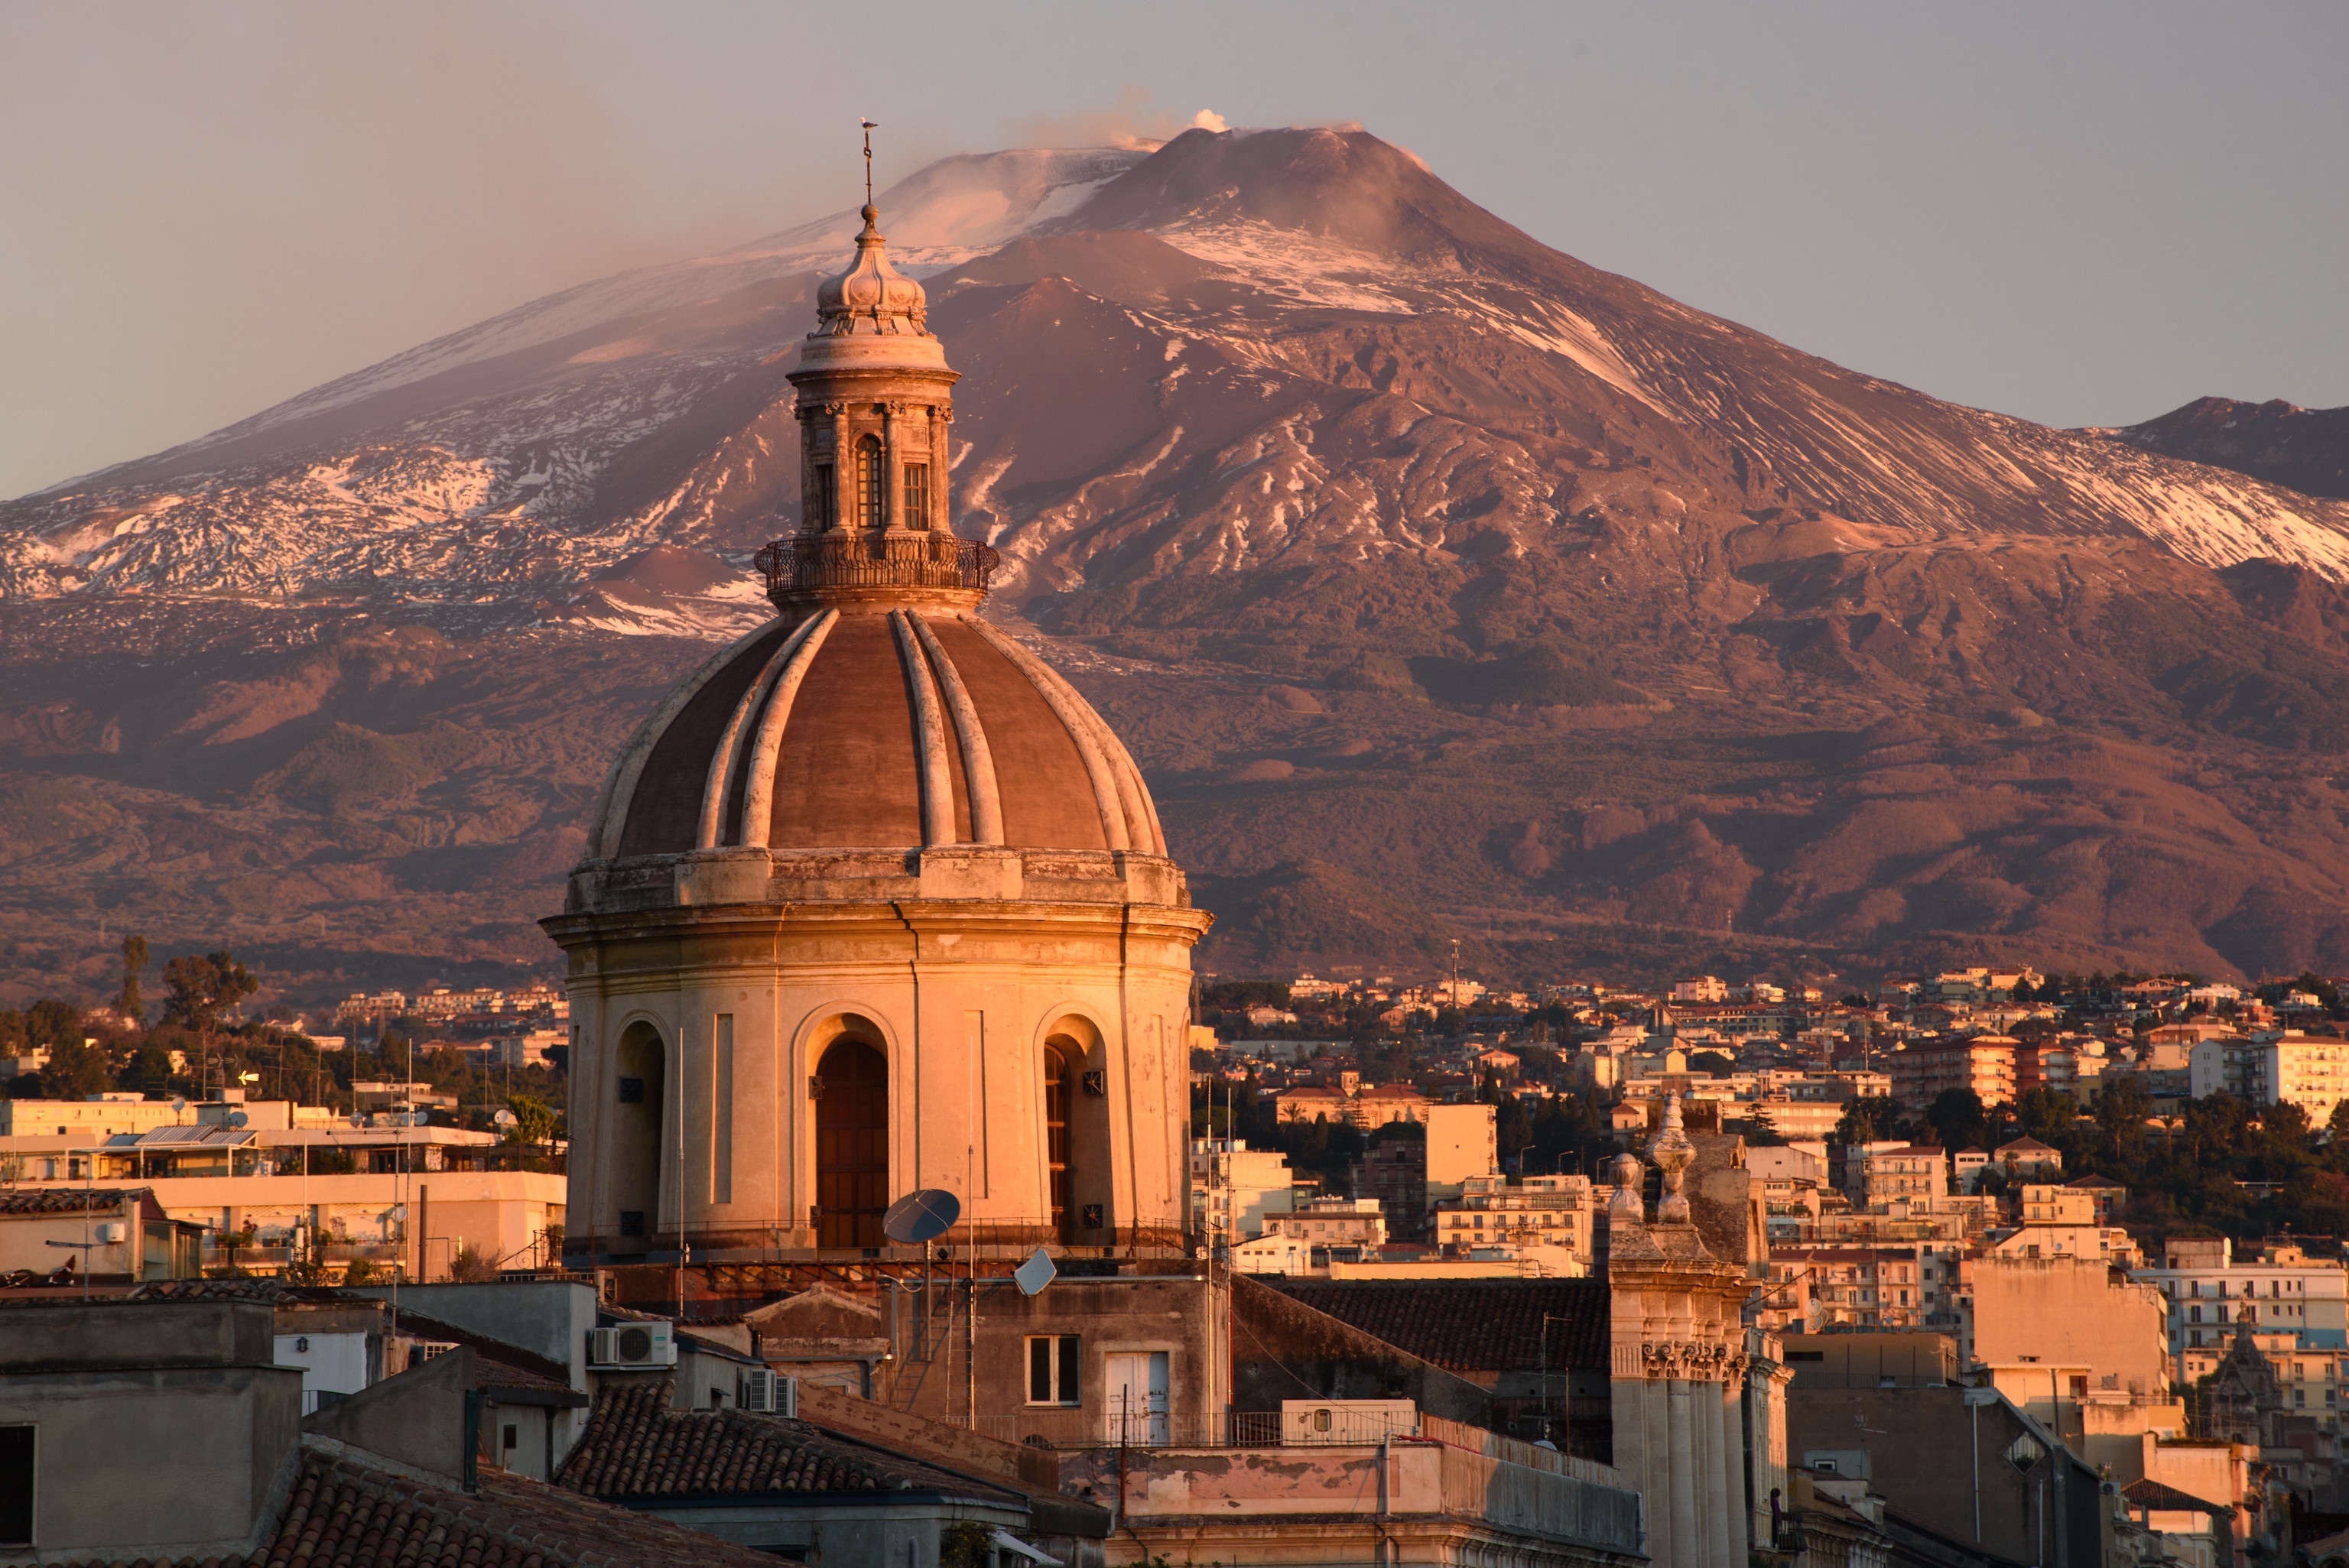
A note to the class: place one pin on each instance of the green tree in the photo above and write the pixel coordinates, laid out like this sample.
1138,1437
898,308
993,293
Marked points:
2046,1114
471,1267
2285,1122
2338,1123
1866,1118
2123,1104
965,1544
130,1003
1957,1118
1514,1131
75,1071
1712,1064
535,1121
203,987
1760,1131
51,1023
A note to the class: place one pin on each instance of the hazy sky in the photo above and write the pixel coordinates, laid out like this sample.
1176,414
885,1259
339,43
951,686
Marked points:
2082,214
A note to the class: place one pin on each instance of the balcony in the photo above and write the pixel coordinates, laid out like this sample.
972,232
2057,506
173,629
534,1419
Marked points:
805,563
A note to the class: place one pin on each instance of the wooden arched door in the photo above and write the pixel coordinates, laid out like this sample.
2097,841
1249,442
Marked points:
852,1145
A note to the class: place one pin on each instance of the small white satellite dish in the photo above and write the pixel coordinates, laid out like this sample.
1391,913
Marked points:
921,1216
505,1118
1037,1273
179,1104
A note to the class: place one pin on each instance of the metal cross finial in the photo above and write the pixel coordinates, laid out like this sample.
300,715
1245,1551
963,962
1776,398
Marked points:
870,127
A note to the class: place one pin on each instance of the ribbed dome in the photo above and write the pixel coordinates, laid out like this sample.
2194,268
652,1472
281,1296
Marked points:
870,730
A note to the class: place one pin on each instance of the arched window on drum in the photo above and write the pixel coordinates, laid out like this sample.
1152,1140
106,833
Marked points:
639,1088
852,1143
872,483
1061,1058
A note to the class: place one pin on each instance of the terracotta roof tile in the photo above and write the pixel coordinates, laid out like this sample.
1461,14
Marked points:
345,1514
638,1446
65,1200
1470,1326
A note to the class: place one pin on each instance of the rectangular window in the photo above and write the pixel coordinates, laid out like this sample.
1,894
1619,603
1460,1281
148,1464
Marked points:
820,493
917,495
16,1486
721,1139
1052,1363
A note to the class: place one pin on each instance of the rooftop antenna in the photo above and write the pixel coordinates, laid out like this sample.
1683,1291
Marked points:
870,127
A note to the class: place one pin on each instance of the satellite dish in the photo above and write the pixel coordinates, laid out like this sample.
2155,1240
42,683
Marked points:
504,1118
921,1216
179,1104
1034,1274
237,1118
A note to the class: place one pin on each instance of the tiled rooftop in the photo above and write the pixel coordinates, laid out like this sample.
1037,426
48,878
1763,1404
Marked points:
64,1200
347,1514
638,1446
2146,1492
1469,1325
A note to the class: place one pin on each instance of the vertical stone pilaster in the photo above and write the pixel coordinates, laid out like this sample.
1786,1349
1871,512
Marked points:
1687,1532
1628,1411
1732,1487
843,500
1704,1442
1655,1486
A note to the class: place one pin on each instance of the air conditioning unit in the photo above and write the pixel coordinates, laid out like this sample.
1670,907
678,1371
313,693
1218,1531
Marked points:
112,1232
632,1344
768,1393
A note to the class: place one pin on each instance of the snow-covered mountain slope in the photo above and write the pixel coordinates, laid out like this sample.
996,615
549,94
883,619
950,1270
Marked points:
1427,568
516,458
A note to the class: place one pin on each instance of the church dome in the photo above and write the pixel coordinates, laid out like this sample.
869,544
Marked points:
866,726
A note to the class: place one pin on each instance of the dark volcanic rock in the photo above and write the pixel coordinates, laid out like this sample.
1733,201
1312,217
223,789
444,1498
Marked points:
2306,449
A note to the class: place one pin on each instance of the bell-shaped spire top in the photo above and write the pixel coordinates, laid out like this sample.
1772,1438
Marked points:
872,296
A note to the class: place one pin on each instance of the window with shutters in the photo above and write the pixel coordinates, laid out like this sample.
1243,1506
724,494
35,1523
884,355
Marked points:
1052,1363
821,513
872,483
917,495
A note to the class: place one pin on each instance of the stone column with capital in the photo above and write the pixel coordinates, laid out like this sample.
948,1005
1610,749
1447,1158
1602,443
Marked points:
843,500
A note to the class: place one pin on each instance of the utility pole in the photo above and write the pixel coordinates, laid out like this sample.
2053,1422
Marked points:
1455,975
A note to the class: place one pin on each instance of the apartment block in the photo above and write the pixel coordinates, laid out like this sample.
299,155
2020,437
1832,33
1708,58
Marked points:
2210,1293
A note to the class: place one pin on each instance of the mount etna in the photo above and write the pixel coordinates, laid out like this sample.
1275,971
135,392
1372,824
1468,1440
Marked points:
1444,586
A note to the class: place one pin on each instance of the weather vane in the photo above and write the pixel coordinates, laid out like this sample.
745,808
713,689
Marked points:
870,127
